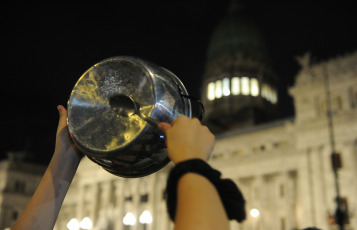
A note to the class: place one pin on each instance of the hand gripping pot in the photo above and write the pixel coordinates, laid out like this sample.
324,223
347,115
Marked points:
125,146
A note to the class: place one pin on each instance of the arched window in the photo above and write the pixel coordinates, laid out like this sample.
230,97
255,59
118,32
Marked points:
269,93
239,85
226,88
274,96
254,87
210,91
218,89
235,86
245,85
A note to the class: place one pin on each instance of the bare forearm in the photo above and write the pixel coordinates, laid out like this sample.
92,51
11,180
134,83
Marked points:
199,205
43,208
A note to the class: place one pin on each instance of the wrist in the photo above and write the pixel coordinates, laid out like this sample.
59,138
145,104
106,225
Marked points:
183,159
229,193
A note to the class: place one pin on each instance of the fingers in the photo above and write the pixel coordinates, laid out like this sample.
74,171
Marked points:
164,127
187,138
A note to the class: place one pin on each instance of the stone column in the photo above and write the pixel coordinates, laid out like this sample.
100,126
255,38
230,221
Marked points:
80,202
246,186
93,208
130,205
291,199
259,193
234,225
161,217
103,220
305,208
270,204
119,204
134,184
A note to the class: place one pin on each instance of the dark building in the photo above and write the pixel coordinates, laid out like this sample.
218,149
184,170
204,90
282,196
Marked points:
239,87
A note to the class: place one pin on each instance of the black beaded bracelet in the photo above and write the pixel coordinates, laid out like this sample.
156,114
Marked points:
229,193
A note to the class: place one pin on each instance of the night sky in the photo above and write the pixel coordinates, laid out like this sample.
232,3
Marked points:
46,48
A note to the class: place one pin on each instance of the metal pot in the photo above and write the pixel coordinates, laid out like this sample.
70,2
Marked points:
125,146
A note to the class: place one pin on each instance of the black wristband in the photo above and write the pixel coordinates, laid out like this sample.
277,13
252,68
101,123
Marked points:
229,193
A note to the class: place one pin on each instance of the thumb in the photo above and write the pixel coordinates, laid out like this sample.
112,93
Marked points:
63,117
164,127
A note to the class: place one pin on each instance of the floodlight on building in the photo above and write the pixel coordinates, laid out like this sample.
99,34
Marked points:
129,219
73,224
145,217
86,223
254,212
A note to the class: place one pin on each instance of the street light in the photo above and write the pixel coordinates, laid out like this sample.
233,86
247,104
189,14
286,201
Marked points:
254,212
86,223
145,218
73,224
129,219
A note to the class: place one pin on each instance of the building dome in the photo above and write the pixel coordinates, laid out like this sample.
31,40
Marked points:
237,32
239,86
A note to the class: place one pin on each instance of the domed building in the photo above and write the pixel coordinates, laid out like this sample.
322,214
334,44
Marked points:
282,166
239,85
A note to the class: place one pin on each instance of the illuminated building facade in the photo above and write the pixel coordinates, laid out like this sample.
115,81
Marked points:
282,167
18,181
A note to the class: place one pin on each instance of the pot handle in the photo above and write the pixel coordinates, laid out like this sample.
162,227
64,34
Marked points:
202,110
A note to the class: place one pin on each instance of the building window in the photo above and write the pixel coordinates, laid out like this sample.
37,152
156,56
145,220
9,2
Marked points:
269,93
20,186
254,87
274,97
144,198
226,88
210,91
218,89
15,215
235,86
265,91
245,85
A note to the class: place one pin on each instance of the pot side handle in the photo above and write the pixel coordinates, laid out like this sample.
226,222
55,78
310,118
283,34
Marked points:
196,100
